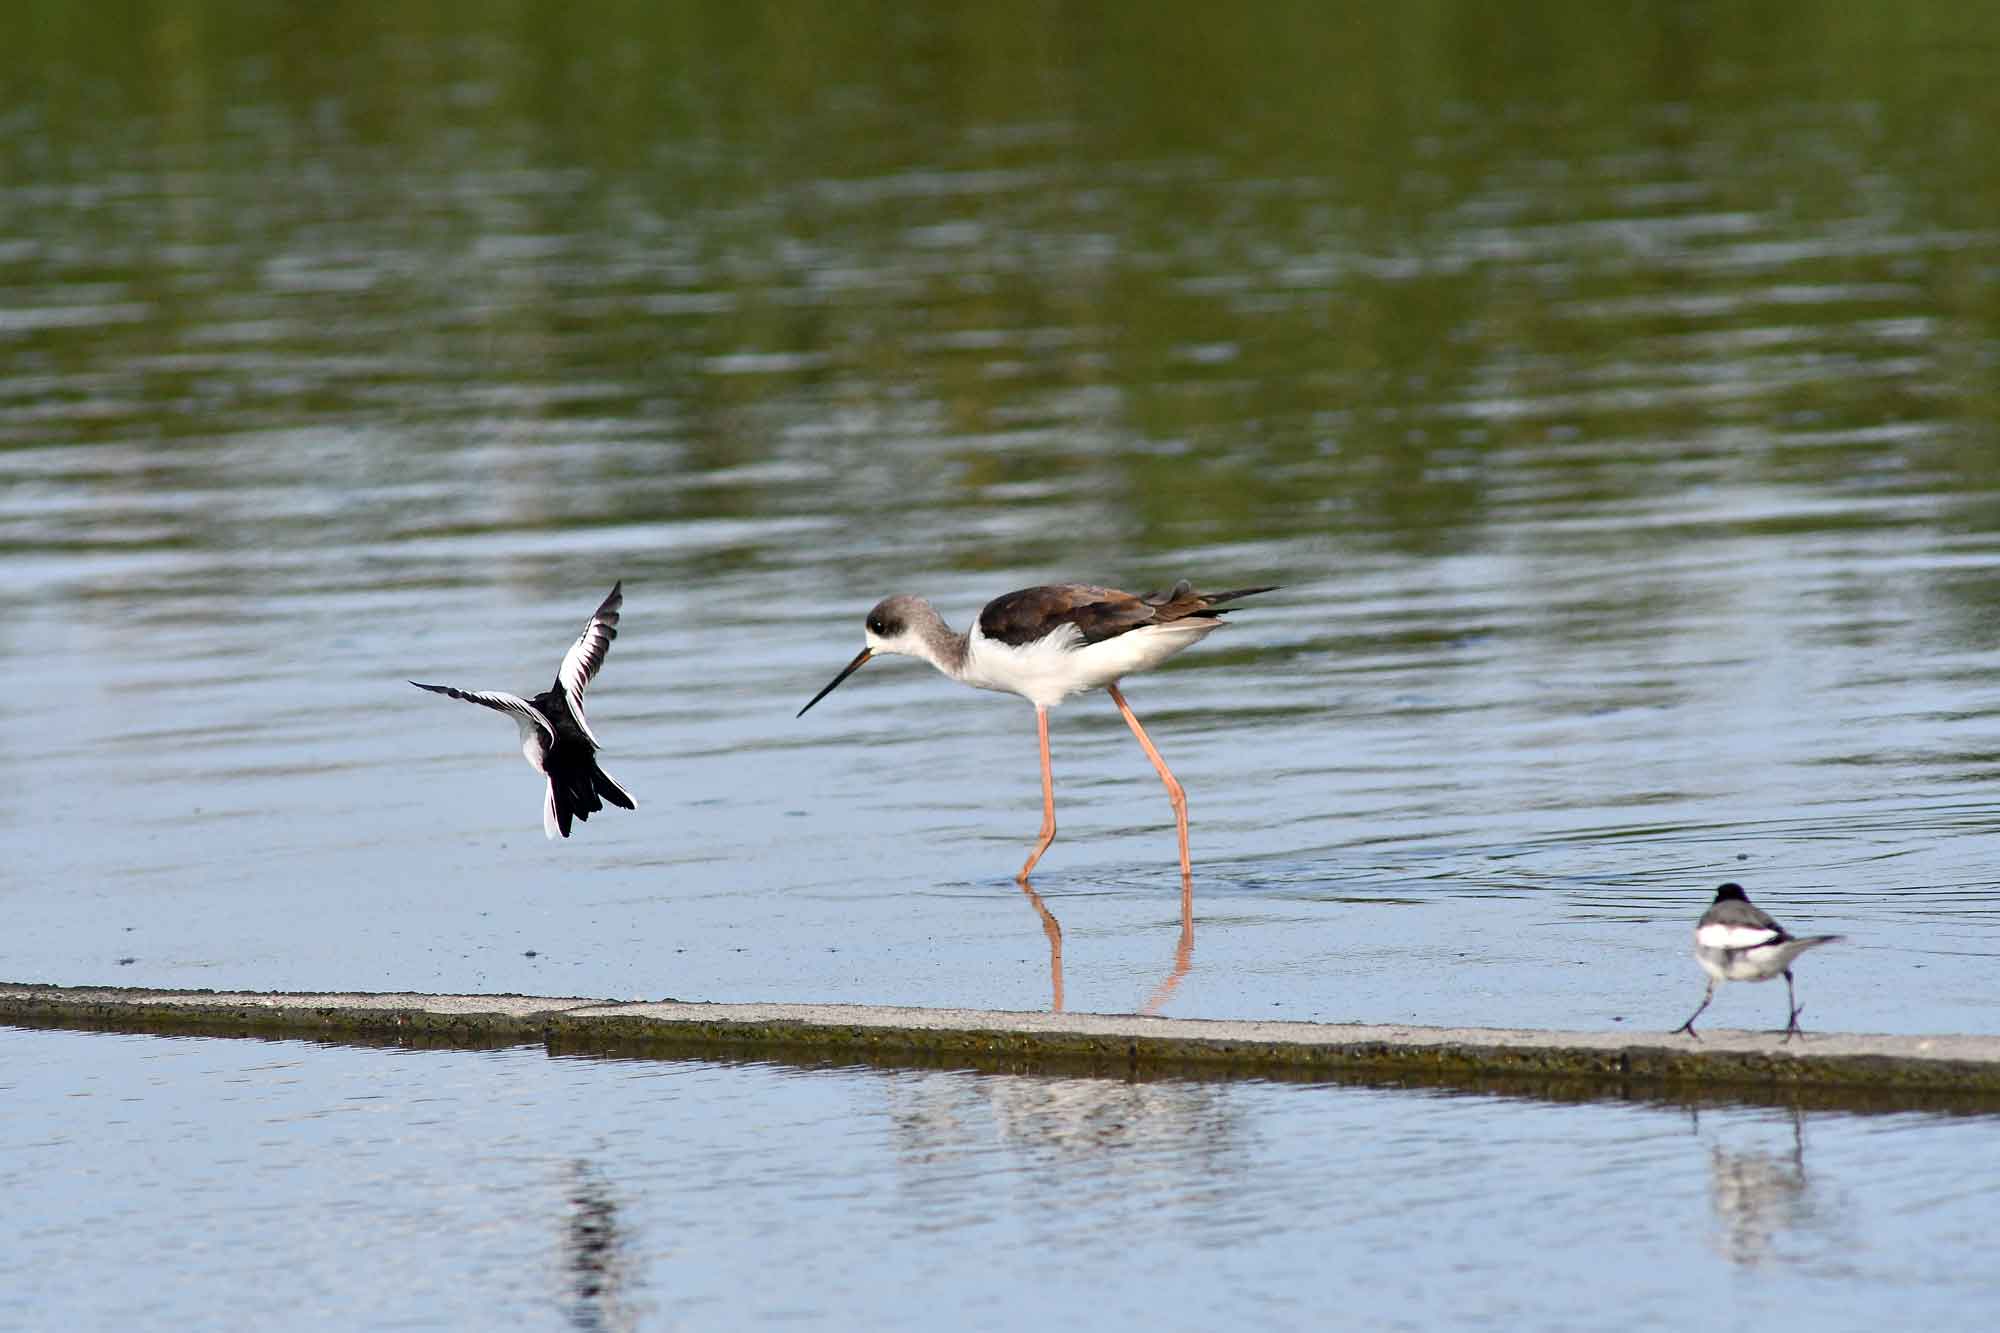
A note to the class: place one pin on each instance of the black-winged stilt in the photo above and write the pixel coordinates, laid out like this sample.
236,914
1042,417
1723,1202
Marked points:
1048,643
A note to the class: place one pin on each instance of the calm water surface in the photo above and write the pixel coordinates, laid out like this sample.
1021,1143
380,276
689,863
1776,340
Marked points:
162,1182
1612,395
1624,451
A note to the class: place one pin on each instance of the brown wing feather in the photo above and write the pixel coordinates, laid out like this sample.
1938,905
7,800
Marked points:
1097,613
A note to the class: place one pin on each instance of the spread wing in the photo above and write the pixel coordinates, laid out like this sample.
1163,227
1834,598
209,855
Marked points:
580,664
524,713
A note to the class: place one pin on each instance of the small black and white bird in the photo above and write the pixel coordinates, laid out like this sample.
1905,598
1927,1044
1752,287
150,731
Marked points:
1737,941
555,735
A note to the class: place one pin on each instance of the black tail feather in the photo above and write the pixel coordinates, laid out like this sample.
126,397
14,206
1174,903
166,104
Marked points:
579,789
610,790
576,799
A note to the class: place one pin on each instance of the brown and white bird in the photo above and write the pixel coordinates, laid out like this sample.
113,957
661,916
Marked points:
1737,941
1048,643
555,735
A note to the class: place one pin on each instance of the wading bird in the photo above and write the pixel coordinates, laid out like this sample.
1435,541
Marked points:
1046,644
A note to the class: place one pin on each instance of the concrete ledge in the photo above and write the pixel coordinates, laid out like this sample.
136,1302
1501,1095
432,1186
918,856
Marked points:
1109,1044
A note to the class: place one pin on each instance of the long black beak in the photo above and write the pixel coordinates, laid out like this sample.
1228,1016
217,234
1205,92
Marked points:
845,672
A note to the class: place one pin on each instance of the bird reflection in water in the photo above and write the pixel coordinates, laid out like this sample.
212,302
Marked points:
1183,958
1110,1149
1052,928
596,1255
1761,1196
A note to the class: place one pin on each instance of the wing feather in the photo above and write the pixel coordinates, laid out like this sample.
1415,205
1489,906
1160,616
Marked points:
1095,613
1723,935
581,663
551,816
523,712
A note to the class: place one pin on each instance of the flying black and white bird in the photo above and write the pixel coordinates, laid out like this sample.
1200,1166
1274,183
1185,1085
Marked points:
1737,941
555,735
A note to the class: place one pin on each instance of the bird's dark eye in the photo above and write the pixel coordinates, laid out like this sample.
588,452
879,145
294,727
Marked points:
875,625
884,628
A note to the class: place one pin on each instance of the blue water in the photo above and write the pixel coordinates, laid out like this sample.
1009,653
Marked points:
199,1183
1609,389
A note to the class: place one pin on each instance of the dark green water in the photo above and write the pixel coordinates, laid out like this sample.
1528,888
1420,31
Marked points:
1342,278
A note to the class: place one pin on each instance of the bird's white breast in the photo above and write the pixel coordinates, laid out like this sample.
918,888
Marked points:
1050,669
534,745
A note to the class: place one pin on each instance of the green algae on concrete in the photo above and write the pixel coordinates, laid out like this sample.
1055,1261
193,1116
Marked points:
1118,1045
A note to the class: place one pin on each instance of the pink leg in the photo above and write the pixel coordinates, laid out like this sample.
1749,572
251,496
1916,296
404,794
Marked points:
1048,796
1175,792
